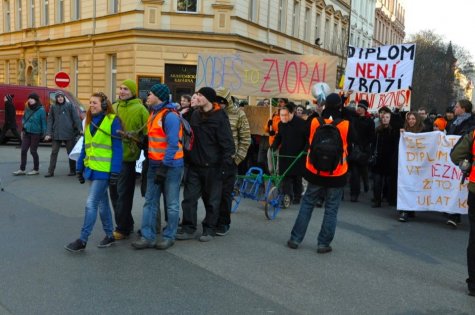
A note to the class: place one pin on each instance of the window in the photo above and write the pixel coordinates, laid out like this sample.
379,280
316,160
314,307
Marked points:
113,6
112,75
187,5
31,15
282,11
45,13
335,37
18,15
253,8
59,11
59,64
318,26
6,16
75,9
306,22
75,75
296,19
326,31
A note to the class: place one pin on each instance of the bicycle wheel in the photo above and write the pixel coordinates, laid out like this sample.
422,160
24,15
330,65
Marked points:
272,206
236,199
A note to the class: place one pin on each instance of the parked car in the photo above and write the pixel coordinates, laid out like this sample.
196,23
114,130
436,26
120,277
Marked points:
21,92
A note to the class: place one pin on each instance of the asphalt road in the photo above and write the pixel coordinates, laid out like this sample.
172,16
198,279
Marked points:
378,265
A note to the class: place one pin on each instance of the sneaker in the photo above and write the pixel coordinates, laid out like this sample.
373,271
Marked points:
49,175
452,223
403,216
222,230
108,241
32,172
292,244
76,246
206,237
181,235
322,249
19,172
165,244
143,243
119,236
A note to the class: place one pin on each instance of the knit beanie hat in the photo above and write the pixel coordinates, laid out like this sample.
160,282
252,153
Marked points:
34,96
131,85
363,104
225,94
333,100
9,97
209,93
161,91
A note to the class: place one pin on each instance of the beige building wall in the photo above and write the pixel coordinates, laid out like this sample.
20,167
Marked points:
389,22
143,37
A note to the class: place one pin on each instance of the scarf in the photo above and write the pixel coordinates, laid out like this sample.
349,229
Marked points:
461,118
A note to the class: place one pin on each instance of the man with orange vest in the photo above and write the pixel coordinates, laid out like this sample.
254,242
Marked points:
165,155
463,149
330,183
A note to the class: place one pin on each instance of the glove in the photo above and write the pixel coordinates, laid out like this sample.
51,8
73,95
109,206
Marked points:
80,177
113,179
161,174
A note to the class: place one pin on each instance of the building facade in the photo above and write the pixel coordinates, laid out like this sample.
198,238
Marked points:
389,22
362,23
100,43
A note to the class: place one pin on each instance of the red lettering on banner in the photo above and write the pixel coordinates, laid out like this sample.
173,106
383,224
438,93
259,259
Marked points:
445,171
373,71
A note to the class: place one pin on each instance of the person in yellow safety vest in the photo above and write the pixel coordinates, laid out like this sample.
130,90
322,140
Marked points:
463,149
100,161
165,155
331,183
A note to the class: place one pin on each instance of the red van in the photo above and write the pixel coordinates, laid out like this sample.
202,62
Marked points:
47,97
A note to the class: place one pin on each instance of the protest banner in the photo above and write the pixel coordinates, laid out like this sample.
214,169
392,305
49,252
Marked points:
271,75
427,178
399,98
381,69
257,117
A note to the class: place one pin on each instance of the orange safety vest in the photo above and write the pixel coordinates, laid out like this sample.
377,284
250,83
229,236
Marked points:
471,178
157,139
342,168
275,127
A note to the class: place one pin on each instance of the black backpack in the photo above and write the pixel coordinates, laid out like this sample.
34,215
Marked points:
188,137
326,148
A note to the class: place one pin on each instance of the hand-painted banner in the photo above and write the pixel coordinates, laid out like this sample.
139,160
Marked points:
400,99
427,178
381,69
269,75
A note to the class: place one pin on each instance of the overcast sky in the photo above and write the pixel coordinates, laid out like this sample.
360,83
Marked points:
453,19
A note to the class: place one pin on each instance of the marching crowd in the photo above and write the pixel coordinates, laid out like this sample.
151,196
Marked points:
353,146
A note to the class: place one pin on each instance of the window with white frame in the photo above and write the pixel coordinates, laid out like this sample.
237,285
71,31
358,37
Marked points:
306,26
296,19
45,12
253,10
282,15
18,14
113,6
75,9
6,16
187,5
59,11
31,13
112,76
318,26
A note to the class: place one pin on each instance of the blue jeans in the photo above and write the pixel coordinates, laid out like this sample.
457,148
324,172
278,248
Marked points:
171,190
97,199
332,203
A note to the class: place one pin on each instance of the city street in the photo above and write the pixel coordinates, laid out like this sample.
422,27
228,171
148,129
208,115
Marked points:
378,265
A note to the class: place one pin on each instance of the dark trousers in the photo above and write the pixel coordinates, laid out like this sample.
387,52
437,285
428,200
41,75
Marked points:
471,242
55,146
204,182
122,197
227,198
292,186
358,172
31,142
391,182
4,132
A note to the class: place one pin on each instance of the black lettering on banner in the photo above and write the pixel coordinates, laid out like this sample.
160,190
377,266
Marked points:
351,51
393,52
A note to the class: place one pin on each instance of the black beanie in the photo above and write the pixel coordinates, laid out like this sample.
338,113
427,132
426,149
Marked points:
34,96
209,93
364,104
333,101
9,97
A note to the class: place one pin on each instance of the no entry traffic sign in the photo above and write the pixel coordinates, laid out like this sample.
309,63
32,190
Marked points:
62,79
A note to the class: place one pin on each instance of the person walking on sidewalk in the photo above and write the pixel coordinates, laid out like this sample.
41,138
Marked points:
165,169
64,125
99,162
10,119
34,128
211,157
133,116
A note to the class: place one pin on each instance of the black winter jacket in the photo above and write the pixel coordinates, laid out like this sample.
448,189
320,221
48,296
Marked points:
10,115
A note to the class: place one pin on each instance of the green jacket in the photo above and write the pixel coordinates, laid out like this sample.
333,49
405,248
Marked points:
241,132
134,117
463,150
